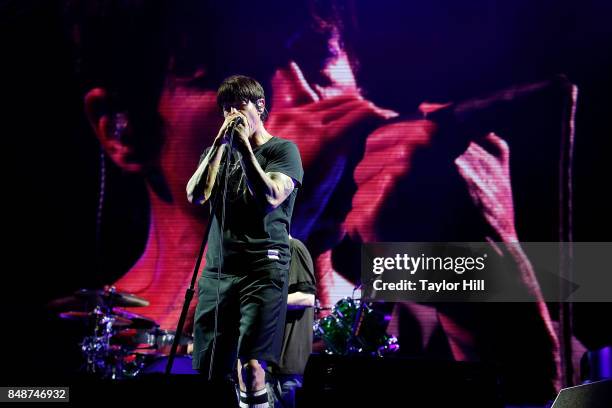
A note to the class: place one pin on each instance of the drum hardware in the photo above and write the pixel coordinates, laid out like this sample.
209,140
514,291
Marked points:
105,351
153,339
146,351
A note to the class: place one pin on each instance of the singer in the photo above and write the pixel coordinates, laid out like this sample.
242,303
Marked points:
247,261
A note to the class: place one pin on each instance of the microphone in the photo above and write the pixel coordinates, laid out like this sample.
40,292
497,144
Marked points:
502,112
232,126
500,109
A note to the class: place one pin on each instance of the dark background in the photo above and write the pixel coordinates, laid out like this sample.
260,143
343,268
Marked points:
429,51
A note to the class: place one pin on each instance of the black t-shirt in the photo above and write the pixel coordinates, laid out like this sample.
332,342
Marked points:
297,341
254,240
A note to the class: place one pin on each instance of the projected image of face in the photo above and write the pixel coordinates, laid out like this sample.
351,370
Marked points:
369,175
326,116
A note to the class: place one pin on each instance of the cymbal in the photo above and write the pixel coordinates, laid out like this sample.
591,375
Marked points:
138,321
88,299
90,316
113,298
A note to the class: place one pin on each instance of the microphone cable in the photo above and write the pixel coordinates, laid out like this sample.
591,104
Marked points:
229,154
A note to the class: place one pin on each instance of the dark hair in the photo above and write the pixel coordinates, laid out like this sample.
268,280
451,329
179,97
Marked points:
240,88
130,46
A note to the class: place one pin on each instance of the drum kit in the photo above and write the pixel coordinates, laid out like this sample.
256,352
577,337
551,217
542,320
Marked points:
120,344
355,328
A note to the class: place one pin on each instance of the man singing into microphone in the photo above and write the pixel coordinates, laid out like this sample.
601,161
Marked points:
248,244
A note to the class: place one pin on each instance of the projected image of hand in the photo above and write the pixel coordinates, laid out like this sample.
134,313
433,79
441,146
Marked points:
485,167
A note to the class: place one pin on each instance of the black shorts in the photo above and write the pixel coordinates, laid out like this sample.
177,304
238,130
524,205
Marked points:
251,319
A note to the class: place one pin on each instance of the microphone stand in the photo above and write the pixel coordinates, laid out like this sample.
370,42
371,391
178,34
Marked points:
191,289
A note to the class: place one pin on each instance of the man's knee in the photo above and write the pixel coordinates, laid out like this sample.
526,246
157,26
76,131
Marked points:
253,373
253,366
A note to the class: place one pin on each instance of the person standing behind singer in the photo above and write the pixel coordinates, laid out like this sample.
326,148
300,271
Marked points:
248,244
297,340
